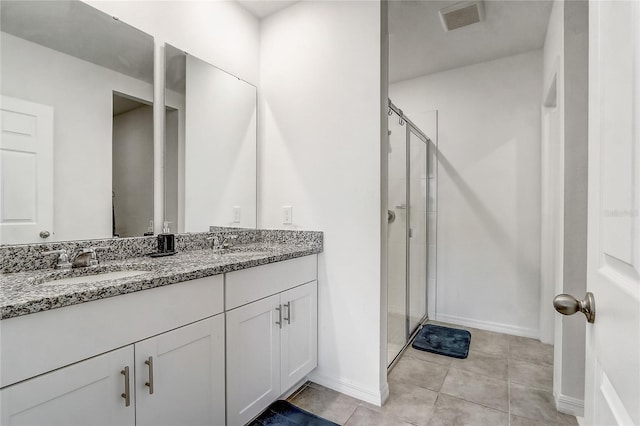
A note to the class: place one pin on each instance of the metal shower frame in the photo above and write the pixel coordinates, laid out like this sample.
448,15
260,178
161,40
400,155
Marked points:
411,128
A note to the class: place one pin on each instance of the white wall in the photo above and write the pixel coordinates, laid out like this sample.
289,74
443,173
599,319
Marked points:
566,57
219,32
174,171
320,118
81,96
488,252
133,171
220,148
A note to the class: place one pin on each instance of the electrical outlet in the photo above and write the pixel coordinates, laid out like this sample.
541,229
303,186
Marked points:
236,214
287,215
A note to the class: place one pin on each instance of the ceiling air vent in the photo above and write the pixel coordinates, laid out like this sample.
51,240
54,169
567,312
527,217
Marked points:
461,14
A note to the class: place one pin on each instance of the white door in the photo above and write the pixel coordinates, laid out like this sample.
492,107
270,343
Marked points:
299,337
253,358
86,393
613,274
26,171
180,376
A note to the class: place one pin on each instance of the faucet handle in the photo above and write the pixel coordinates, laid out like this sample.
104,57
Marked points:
215,240
63,258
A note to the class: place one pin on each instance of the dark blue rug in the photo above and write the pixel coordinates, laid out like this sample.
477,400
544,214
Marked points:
283,413
443,340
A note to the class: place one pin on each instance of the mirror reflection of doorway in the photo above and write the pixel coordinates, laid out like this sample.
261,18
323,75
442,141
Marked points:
132,166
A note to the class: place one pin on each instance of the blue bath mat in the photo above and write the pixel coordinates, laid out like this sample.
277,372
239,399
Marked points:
443,340
283,413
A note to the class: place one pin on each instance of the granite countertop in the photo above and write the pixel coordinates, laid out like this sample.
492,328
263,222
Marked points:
28,292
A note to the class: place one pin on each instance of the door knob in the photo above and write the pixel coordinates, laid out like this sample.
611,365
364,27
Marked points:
568,305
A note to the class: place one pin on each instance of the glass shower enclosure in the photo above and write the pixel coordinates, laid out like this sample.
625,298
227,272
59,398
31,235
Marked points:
411,229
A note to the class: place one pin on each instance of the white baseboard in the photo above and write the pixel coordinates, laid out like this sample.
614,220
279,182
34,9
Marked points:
569,405
490,326
375,397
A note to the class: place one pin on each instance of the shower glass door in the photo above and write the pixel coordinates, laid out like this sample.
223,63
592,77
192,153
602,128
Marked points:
408,245
397,241
417,173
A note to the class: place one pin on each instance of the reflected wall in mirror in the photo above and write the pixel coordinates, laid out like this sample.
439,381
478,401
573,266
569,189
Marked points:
62,62
210,146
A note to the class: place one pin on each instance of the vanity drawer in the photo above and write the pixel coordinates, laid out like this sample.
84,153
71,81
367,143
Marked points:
37,343
251,284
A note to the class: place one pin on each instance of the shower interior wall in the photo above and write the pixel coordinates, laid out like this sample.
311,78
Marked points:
488,227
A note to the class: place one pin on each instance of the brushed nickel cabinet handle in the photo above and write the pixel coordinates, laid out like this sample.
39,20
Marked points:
288,317
127,394
149,384
279,309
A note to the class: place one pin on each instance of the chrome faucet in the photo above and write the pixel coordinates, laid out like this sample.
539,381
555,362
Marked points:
87,257
214,241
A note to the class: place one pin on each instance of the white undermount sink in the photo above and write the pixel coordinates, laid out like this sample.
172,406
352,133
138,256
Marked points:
94,278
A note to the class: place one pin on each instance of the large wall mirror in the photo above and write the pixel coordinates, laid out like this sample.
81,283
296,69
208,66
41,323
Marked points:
210,146
76,149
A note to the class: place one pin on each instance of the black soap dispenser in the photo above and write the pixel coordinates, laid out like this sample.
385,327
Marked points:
166,240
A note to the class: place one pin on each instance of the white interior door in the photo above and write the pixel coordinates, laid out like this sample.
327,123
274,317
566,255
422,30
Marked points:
26,171
613,340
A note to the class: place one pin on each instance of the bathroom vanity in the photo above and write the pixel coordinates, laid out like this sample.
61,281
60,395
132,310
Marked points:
203,337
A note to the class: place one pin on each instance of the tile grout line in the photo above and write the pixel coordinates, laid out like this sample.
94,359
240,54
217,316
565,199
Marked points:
459,398
481,374
509,384
351,415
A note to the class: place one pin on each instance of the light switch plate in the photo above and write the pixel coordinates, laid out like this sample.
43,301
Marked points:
287,215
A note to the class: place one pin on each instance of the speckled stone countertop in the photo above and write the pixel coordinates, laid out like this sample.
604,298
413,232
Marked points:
32,291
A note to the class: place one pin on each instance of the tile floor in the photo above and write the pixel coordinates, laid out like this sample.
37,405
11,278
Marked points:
506,380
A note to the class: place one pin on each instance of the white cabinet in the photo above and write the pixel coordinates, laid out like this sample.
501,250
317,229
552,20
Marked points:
86,393
253,359
271,345
299,336
60,367
180,376
185,368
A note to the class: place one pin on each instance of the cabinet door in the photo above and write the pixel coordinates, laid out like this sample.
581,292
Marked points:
86,393
253,359
180,376
299,333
